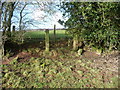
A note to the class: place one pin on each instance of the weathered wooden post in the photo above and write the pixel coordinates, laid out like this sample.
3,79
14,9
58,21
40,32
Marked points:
75,42
54,33
13,29
47,41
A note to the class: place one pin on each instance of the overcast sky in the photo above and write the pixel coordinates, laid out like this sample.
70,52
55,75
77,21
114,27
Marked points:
49,21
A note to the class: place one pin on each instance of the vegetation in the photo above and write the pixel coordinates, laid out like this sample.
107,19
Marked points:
41,34
96,23
62,58
56,70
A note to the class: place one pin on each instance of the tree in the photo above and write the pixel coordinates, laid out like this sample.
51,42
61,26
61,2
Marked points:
93,22
7,14
12,10
22,16
1,46
7,9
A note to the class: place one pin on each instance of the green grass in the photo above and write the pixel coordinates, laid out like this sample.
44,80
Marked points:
36,36
41,34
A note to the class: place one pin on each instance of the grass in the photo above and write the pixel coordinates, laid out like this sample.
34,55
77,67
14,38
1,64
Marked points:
41,34
36,36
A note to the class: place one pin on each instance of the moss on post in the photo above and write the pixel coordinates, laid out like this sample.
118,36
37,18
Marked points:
75,42
47,41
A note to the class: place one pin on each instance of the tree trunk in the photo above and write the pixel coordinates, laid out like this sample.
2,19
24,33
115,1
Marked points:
47,41
0,42
1,47
1,34
8,14
5,21
20,22
11,9
75,42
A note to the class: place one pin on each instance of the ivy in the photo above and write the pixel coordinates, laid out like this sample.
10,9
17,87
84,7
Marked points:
97,23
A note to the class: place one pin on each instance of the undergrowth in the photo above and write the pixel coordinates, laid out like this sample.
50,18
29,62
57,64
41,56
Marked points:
48,73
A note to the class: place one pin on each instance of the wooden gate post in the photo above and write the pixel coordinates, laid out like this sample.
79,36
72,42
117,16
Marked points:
54,33
75,42
47,40
13,29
